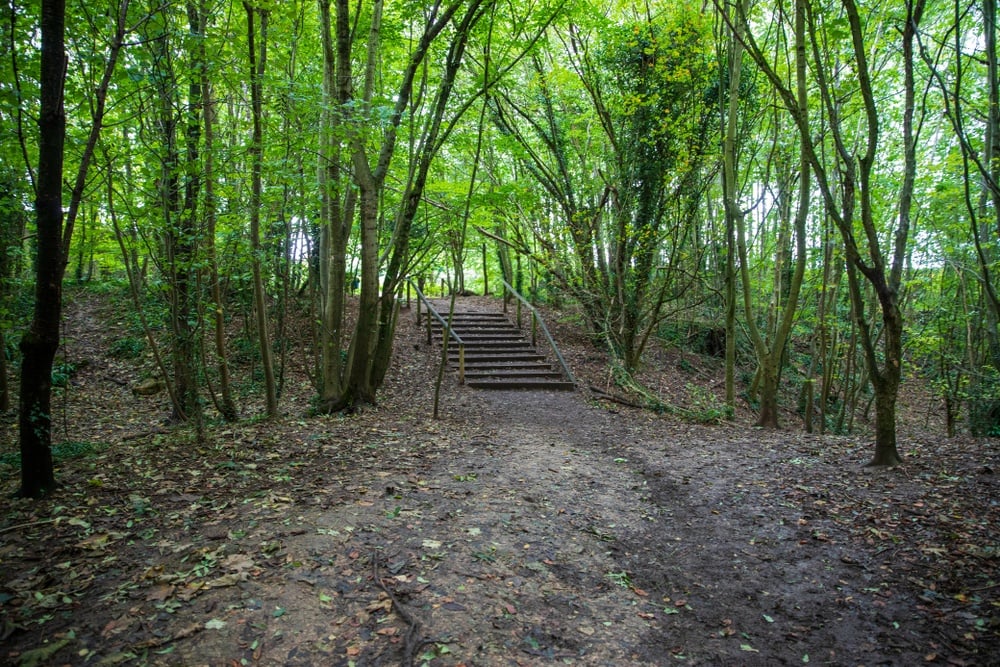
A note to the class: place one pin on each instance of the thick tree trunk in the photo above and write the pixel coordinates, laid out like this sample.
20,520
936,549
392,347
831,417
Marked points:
886,453
768,415
40,342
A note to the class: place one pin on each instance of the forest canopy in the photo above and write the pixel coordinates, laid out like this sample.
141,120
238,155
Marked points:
807,189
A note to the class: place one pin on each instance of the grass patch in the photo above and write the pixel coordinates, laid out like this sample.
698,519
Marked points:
72,449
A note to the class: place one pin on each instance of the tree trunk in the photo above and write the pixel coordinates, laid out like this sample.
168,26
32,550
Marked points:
227,405
886,453
371,345
39,343
11,235
849,198
4,387
256,157
336,208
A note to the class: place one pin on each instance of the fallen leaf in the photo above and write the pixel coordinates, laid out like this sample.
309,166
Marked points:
159,593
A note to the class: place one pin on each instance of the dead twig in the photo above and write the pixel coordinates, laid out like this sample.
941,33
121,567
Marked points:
605,396
30,524
144,434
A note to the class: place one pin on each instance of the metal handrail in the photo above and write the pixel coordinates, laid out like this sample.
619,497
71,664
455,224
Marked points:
431,310
537,318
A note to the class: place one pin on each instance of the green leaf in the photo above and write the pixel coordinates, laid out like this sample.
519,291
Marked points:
42,656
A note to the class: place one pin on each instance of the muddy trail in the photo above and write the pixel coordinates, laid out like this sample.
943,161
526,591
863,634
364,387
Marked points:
521,528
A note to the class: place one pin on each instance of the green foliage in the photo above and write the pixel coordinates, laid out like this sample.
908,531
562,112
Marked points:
62,372
129,347
704,407
983,399
70,449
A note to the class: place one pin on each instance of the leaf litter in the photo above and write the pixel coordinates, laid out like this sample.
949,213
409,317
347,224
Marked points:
522,528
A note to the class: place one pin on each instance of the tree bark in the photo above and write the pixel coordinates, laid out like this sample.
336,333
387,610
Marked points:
39,344
257,157
227,405
337,203
849,202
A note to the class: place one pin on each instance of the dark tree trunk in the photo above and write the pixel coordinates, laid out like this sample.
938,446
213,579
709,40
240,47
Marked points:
39,344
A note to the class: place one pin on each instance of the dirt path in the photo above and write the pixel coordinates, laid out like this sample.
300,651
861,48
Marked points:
523,528
553,531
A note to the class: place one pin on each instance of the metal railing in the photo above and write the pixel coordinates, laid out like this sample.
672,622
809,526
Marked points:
444,327
536,322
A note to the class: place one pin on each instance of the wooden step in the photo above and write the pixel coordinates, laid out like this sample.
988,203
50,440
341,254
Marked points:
495,357
504,374
497,354
528,364
552,385
474,337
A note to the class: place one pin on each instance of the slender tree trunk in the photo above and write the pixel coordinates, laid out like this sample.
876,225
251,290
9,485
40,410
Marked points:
337,207
256,157
359,387
187,241
178,246
11,234
886,382
849,199
227,405
772,359
4,387
731,207
39,344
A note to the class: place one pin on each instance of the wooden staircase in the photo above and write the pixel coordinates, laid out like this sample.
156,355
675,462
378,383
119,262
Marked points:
497,355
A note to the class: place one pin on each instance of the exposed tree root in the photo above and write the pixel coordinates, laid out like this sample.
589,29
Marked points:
650,400
412,643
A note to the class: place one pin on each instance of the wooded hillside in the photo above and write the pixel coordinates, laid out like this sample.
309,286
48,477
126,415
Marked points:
809,190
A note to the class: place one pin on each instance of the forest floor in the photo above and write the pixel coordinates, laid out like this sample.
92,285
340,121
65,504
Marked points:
520,528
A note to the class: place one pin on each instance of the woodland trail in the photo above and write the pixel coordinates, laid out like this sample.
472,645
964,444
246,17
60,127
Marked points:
521,528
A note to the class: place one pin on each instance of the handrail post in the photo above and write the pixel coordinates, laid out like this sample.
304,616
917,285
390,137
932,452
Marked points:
447,332
545,329
534,329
